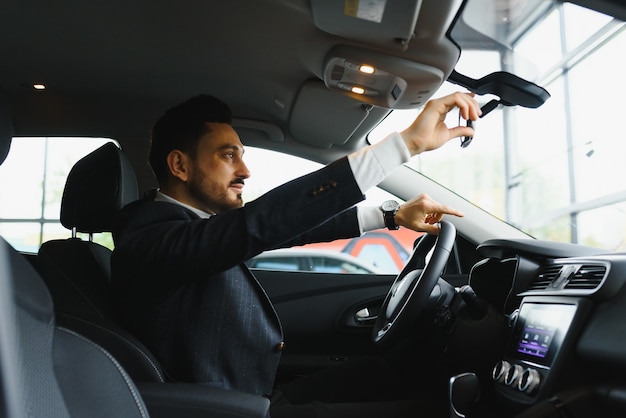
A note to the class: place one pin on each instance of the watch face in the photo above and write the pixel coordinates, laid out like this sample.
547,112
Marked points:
390,205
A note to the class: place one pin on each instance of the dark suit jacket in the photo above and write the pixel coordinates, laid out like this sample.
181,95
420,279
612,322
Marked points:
181,286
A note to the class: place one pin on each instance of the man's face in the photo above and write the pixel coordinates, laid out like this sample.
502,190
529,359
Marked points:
216,176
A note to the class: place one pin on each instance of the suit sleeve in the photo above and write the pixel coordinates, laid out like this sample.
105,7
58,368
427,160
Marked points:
170,239
343,225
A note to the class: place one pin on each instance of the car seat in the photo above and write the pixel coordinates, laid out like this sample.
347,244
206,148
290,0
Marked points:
78,273
47,370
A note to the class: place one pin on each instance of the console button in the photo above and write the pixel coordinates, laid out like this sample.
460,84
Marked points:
529,381
513,376
500,371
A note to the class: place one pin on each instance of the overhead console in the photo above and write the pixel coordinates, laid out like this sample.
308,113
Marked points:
394,54
381,79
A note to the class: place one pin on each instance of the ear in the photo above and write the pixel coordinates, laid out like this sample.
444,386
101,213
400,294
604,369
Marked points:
178,164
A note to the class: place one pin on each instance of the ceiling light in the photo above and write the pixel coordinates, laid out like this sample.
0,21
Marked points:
382,80
39,86
357,90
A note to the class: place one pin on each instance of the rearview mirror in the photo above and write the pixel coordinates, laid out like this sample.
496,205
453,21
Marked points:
511,90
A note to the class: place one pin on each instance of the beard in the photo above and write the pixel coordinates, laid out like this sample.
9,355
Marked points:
213,196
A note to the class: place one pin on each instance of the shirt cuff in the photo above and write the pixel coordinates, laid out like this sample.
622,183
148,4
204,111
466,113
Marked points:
370,218
374,163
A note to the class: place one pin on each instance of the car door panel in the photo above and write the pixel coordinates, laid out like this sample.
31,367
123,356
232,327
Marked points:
318,312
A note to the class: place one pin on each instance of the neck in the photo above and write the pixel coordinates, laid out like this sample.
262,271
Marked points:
182,197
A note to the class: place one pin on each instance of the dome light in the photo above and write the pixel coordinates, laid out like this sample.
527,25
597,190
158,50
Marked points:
357,90
367,69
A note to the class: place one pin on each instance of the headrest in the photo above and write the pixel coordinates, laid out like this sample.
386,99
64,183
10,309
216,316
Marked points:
97,187
6,129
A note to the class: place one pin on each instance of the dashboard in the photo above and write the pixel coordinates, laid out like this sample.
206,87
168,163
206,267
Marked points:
565,309
539,345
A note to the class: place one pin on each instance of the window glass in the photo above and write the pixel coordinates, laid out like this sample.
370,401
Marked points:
21,176
277,263
581,24
543,44
33,177
387,259
379,256
612,232
23,236
555,172
270,169
597,148
332,265
540,179
579,156
476,64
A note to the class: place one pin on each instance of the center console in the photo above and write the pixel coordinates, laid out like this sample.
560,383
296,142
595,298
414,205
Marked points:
541,328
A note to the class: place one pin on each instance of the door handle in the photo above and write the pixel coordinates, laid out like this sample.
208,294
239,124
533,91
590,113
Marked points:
363,315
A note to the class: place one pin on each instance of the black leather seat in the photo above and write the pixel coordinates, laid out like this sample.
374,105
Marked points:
47,370
78,273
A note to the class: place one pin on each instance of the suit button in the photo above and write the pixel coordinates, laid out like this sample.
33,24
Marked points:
279,347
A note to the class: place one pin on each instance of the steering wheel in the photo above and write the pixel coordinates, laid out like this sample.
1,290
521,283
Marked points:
411,289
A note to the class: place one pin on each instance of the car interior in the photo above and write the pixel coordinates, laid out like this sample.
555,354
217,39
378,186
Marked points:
515,309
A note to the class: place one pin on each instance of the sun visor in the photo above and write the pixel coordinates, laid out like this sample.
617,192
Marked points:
322,118
386,23
255,131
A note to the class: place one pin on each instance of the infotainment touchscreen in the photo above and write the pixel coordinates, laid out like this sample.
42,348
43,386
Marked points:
540,330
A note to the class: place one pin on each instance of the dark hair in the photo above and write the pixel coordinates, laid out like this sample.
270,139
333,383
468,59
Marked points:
181,127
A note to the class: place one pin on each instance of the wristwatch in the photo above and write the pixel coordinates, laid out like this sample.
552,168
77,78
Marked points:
389,209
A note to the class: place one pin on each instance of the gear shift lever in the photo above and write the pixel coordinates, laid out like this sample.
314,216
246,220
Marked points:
463,392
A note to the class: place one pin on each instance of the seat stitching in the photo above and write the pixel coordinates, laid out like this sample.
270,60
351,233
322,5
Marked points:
130,343
129,383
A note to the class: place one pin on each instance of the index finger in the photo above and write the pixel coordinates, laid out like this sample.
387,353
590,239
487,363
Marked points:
447,210
465,102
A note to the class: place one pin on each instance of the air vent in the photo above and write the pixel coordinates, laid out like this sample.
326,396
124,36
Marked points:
545,278
587,277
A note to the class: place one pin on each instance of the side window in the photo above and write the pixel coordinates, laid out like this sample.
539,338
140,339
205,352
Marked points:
333,265
32,178
379,251
278,263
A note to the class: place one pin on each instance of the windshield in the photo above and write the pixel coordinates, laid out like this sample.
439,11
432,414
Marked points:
555,172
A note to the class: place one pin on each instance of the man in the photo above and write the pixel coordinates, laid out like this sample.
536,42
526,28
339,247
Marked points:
178,272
